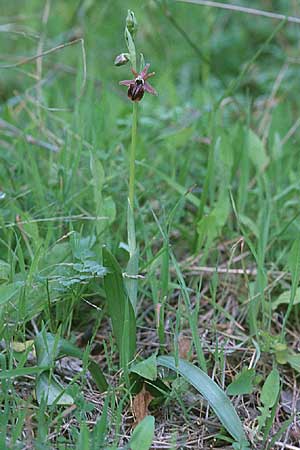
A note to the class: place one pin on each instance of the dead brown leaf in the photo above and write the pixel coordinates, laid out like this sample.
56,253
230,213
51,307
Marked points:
184,346
140,405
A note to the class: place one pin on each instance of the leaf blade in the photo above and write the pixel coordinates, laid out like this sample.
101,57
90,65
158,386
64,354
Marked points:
211,392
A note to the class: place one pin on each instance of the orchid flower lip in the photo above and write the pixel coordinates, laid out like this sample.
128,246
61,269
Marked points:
138,86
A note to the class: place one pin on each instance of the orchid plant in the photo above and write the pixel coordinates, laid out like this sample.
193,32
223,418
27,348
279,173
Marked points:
122,308
136,90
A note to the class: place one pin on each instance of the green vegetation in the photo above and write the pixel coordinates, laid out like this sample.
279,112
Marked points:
149,251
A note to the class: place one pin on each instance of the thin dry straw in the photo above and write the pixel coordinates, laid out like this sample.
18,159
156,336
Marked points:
48,52
243,9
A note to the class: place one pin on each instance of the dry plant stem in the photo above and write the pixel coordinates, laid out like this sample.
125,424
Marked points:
132,154
48,52
242,9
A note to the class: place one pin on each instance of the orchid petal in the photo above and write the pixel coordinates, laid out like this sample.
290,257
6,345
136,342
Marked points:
148,88
126,82
151,74
134,72
144,71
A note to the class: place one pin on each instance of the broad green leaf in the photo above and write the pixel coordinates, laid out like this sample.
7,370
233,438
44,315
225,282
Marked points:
207,229
47,348
50,348
4,270
66,348
294,361
147,368
8,291
214,395
143,434
281,353
117,303
97,375
257,150
50,390
210,226
285,297
109,210
243,383
244,445
270,389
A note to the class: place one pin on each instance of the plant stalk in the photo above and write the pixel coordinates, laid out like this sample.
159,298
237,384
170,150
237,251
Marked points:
132,154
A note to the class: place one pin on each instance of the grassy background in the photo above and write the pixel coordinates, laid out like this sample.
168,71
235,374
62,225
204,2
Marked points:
217,189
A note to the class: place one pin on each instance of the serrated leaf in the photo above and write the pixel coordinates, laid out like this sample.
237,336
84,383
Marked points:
243,383
147,368
143,434
82,246
214,395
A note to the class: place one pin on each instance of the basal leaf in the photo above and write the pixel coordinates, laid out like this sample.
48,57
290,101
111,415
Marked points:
143,434
50,390
285,298
214,395
147,368
270,389
117,302
243,383
294,360
257,150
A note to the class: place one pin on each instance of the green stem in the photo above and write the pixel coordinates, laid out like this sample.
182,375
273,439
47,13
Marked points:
132,154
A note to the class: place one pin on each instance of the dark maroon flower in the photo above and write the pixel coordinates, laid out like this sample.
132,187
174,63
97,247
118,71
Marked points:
138,86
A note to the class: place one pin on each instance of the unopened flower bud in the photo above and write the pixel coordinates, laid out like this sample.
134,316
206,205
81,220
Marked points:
122,59
131,23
